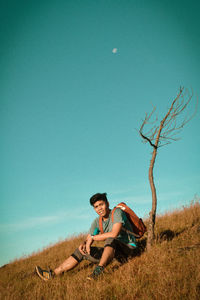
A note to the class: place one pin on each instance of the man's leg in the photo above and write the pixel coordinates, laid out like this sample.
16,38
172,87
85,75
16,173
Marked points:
77,257
70,263
112,248
67,265
107,256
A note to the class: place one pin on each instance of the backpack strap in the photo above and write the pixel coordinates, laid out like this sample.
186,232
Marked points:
137,236
112,215
101,225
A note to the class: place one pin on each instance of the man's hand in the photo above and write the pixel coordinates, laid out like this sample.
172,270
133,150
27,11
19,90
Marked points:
82,248
89,242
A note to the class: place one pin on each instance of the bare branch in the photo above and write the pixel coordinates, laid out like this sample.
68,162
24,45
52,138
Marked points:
171,124
147,139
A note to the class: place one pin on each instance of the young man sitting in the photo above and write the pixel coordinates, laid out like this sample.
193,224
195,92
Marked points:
118,243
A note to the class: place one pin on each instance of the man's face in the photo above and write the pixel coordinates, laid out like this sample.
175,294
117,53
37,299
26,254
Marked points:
101,208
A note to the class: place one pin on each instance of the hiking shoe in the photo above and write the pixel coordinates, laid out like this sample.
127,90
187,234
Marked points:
43,274
96,273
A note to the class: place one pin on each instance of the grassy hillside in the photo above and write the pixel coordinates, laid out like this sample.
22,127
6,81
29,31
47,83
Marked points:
171,270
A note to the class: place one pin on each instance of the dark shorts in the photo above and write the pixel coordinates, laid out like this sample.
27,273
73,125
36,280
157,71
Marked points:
122,251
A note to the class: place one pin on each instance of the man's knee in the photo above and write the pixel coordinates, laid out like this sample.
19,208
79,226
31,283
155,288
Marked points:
110,242
77,255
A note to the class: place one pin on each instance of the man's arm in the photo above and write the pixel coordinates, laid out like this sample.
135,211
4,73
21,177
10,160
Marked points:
114,233
82,247
102,237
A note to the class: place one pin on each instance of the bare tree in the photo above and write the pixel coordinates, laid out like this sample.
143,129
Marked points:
160,134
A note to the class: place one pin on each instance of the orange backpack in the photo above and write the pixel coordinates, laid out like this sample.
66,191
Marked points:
138,227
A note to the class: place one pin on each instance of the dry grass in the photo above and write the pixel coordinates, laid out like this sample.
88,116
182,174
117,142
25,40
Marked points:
171,270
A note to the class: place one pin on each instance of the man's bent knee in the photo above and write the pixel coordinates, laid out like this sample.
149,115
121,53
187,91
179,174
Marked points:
77,255
110,242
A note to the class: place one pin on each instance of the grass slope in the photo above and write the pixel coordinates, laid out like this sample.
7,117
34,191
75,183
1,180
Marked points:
171,270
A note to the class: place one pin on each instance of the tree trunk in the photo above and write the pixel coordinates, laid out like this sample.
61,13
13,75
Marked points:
170,127
152,213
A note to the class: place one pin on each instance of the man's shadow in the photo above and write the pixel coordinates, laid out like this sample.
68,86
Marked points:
168,235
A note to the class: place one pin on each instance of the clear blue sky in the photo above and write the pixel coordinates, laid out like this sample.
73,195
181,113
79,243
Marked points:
70,107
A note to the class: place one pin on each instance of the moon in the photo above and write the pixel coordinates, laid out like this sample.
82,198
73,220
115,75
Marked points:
114,50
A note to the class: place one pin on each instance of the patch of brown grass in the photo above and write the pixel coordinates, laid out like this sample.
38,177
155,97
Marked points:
169,271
